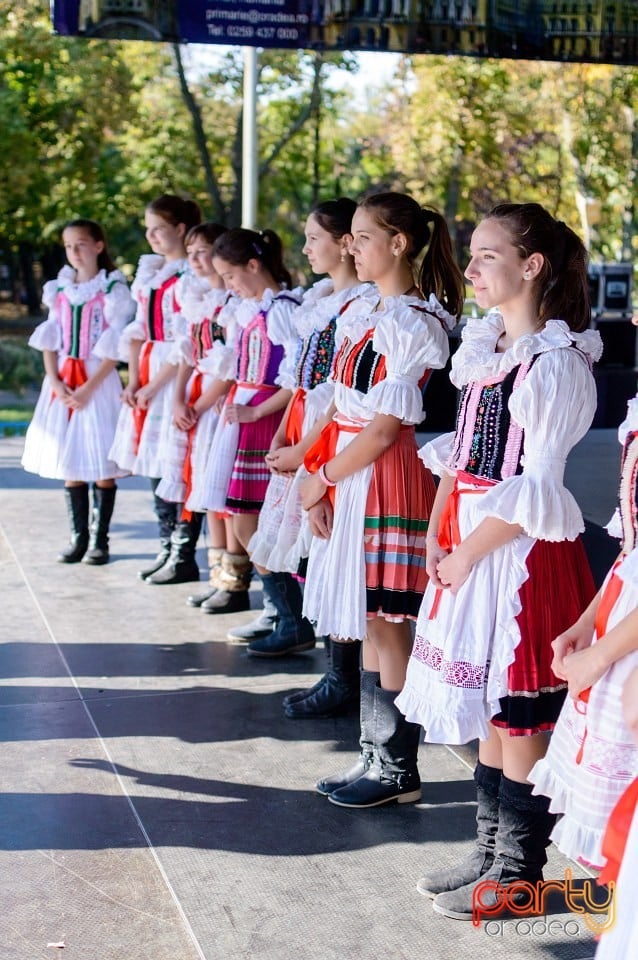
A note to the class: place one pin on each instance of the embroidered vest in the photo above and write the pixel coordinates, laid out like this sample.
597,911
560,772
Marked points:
155,306
628,491
488,442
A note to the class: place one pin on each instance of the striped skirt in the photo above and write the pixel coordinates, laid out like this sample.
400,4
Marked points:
250,475
398,506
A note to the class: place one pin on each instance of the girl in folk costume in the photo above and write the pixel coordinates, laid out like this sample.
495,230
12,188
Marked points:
205,370
507,570
140,444
282,542
370,499
592,755
236,481
74,420
620,847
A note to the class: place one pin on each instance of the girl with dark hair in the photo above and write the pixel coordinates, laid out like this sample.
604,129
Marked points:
283,539
74,420
369,499
251,266
205,356
507,569
141,439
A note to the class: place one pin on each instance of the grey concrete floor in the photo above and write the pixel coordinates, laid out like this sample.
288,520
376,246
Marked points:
157,804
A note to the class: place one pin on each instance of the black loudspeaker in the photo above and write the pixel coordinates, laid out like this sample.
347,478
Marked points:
610,287
619,342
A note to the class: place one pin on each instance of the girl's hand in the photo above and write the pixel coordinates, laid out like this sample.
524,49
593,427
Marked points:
578,637
582,669
312,490
434,553
60,389
144,396
284,460
277,442
80,397
218,406
184,416
453,570
630,703
127,395
320,518
240,413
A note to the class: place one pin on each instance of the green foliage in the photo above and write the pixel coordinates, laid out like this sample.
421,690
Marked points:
20,366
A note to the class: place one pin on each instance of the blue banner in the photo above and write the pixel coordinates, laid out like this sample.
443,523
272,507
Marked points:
604,31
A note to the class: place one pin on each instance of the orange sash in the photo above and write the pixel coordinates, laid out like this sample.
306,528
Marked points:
73,375
144,375
294,422
610,595
617,831
324,449
187,470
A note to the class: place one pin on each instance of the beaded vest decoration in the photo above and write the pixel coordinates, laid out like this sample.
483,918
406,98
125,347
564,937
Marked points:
488,443
314,357
628,491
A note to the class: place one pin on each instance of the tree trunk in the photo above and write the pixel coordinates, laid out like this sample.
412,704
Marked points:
31,290
219,209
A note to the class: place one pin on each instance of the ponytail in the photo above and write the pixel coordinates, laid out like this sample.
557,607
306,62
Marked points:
439,272
562,285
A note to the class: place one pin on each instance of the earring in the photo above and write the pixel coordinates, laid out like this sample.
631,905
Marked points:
342,258
526,275
395,253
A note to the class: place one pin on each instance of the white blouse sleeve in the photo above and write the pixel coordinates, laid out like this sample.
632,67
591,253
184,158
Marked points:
48,334
437,454
119,309
282,331
555,406
412,342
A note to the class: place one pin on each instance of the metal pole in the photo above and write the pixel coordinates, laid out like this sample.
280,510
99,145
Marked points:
249,145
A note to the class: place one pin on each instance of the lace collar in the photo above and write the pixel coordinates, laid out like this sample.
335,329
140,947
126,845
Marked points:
321,304
248,309
153,271
77,293
477,359
365,313
198,300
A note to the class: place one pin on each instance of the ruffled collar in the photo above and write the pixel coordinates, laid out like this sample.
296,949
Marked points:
321,304
365,313
477,359
198,300
77,293
153,271
248,309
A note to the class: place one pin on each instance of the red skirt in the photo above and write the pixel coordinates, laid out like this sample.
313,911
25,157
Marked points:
398,507
559,587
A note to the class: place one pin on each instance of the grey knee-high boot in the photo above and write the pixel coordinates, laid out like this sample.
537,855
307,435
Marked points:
522,837
488,782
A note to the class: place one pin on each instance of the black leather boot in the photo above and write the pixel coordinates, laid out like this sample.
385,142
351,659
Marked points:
181,566
293,633
393,773
369,685
167,515
337,689
522,837
77,505
488,782
103,503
